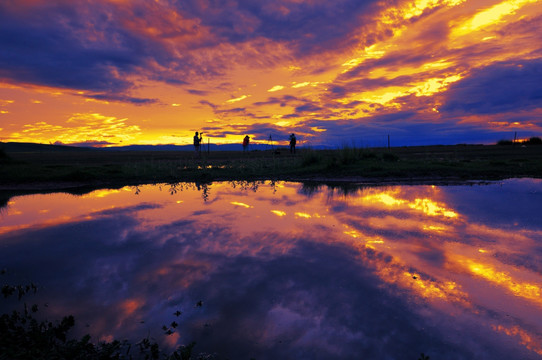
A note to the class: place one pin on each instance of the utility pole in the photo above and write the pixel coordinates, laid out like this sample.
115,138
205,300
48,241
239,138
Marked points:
270,142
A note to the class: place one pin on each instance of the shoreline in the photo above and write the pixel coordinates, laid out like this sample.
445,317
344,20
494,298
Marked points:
68,186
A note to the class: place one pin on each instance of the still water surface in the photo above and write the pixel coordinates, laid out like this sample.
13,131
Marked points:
283,271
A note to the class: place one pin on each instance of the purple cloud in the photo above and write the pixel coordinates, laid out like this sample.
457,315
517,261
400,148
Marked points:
53,45
198,92
501,87
308,27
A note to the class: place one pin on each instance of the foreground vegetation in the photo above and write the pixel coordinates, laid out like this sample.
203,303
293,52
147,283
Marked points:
72,167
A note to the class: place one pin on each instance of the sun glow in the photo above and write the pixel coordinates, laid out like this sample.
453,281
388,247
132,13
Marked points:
276,88
435,85
491,16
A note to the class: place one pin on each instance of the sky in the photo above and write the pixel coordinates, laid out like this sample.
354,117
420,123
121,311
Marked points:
335,73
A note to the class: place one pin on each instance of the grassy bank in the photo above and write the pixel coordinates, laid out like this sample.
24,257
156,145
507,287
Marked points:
32,169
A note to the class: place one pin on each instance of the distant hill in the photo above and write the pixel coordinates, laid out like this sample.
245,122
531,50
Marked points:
34,147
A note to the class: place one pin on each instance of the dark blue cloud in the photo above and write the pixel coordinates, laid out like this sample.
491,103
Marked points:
43,46
282,101
198,92
236,110
404,127
502,87
92,144
55,45
308,107
121,98
308,27
208,103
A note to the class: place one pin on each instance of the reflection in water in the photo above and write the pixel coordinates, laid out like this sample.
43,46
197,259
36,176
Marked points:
281,270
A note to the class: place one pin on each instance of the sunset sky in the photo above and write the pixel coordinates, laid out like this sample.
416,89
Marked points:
120,72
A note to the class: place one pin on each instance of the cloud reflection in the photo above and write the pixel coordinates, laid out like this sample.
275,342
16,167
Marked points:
285,272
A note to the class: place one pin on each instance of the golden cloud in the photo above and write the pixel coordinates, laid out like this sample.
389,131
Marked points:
80,128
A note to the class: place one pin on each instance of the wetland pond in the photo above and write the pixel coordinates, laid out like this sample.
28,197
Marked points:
289,271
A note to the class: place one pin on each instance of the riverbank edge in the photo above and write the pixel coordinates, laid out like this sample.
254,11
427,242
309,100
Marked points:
87,186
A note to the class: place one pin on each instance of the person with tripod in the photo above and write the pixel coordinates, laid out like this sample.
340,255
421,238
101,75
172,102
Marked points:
197,142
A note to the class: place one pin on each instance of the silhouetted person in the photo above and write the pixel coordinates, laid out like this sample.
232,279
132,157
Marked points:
197,142
246,140
292,143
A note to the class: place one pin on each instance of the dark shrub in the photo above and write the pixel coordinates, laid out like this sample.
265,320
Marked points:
535,140
505,142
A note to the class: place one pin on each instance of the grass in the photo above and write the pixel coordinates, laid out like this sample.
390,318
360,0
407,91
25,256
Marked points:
4,158
49,169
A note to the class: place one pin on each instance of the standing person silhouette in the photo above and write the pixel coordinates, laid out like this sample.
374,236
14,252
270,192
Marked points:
197,142
292,143
246,140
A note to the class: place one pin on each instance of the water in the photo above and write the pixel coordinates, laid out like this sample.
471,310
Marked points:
286,271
